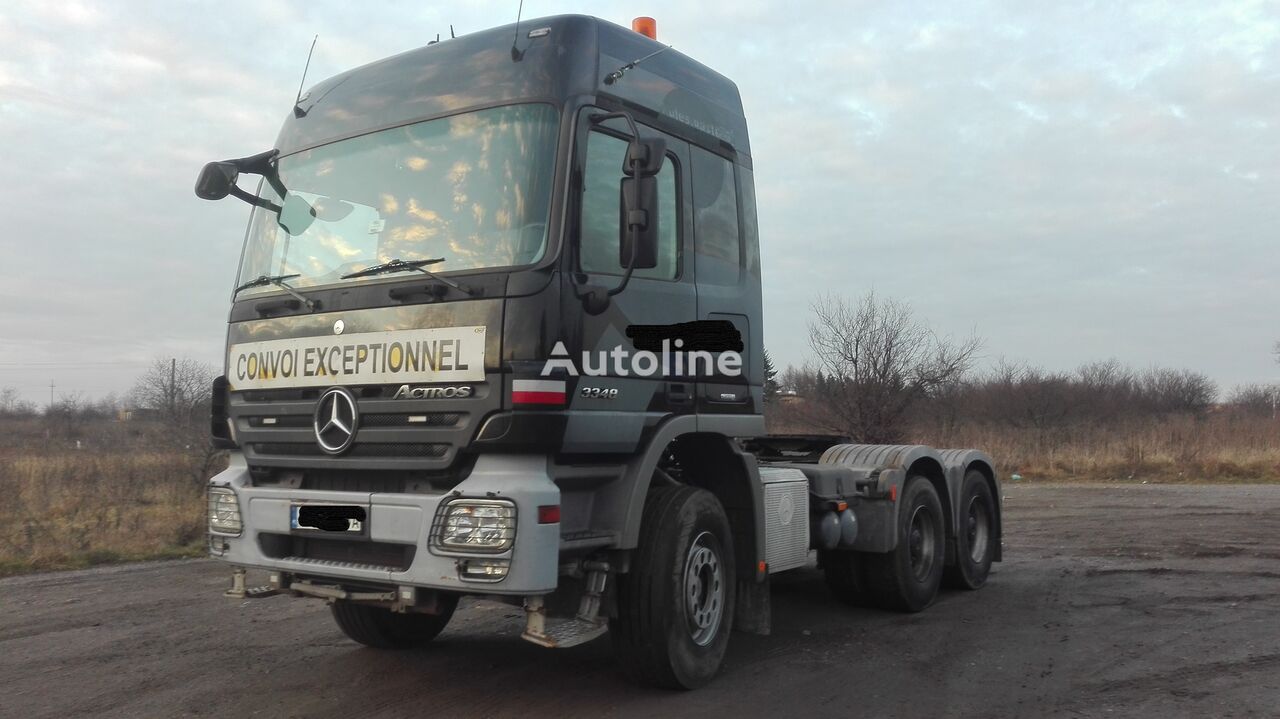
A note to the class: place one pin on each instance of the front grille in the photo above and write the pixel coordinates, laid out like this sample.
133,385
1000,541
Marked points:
362,480
431,419
400,449
434,419
276,430
346,553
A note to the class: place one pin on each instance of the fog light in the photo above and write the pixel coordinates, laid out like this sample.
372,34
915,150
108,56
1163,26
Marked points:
218,546
484,570
224,511
476,525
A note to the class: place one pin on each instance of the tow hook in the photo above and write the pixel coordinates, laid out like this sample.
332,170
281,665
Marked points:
238,589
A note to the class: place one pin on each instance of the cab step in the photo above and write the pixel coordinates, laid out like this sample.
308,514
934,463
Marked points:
562,633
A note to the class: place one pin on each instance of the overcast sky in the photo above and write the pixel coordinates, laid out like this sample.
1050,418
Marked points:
1070,181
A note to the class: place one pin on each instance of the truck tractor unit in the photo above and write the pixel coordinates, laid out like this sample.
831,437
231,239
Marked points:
497,332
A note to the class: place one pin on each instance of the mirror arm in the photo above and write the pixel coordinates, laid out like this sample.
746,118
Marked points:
631,263
262,164
631,121
253,200
597,300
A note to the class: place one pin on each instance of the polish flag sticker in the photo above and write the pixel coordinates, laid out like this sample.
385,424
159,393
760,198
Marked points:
537,391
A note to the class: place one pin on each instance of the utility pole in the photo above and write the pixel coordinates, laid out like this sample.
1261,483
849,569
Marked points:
51,395
173,385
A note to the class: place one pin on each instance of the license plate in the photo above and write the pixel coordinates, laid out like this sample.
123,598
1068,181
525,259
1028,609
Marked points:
342,518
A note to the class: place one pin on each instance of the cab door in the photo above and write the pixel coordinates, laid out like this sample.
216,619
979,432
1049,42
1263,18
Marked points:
623,396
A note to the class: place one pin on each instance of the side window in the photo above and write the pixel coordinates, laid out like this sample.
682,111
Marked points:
600,212
715,219
750,225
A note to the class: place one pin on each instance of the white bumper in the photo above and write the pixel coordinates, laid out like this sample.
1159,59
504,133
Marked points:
403,519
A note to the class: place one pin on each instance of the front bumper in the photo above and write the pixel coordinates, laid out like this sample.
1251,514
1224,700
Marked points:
405,520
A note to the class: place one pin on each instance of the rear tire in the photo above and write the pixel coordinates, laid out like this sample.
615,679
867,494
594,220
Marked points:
675,606
846,574
384,629
975,535
907,578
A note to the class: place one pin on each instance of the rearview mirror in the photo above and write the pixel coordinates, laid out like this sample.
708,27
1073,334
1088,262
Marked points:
638,224
216,180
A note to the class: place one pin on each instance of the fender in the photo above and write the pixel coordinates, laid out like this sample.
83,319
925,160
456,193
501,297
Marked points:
957,463
892,464
624,500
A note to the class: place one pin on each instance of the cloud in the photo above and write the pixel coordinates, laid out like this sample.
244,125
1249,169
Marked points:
1073,182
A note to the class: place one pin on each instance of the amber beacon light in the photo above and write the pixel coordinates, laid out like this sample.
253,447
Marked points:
646,26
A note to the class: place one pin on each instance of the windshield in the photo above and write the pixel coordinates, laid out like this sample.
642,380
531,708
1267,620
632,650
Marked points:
473,189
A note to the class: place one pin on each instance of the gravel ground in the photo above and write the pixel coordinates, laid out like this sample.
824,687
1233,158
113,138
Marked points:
1144,600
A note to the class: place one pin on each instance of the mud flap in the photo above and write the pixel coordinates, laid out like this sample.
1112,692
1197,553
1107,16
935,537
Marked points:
753,611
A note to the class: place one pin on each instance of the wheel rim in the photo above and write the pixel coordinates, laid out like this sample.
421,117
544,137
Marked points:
703,588
979,529
921,541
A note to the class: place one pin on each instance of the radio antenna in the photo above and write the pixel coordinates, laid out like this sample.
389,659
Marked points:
297,102
516,54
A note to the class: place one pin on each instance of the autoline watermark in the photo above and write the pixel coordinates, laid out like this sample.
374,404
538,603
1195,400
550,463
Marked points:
671,361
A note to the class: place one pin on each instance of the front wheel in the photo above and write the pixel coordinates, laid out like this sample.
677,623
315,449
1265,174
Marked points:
907,578
382,628
675,606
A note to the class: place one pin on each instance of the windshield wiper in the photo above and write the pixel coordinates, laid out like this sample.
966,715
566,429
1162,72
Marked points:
398,265
279,281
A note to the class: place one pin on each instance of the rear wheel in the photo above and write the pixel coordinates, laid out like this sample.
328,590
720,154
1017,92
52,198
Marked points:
846,574
976,536
675,606
907,578
384,629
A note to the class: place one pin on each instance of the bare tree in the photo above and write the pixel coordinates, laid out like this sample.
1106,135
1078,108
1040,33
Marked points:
12,405
68,415
177,390
1258,400
876,360
1178,391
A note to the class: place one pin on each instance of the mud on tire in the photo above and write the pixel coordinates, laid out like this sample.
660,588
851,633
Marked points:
675,605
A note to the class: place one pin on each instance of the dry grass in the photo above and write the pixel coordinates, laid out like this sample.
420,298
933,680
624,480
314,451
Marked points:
67,508
131,495
1218,447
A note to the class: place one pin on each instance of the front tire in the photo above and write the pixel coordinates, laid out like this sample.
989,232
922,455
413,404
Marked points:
907,578
675,606
976,535
382,628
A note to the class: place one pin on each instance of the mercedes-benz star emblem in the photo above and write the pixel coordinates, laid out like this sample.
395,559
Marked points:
336,420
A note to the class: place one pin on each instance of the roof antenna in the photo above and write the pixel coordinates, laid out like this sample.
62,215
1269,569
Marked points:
451,35
516,54
298,112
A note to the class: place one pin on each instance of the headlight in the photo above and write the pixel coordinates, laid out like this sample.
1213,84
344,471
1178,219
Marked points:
476,525
224,511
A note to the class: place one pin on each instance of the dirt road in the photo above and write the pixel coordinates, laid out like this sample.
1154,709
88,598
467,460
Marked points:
1135,600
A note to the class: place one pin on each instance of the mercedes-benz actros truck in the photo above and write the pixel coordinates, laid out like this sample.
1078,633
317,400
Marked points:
497,332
